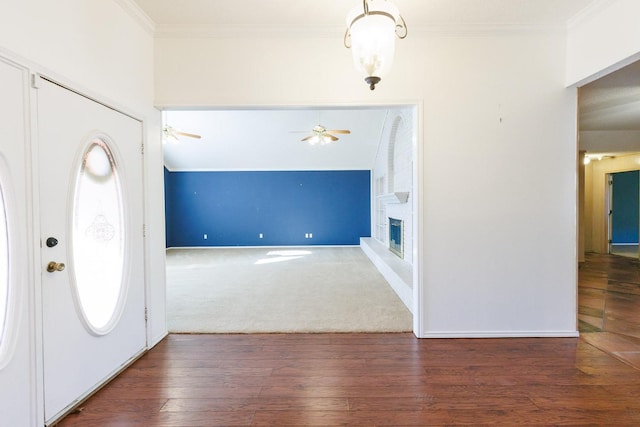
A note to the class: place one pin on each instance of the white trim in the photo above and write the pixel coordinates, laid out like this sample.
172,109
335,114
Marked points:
503,334
264,247
487,29
135,11
605,71
418,200
263,170
204,31
417,305
35,252
595,7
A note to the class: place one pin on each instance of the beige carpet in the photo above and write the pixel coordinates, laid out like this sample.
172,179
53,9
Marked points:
317,289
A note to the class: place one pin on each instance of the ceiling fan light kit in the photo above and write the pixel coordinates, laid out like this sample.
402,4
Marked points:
371,32
320,135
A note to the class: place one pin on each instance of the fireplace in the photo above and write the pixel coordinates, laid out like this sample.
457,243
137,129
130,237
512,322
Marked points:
396,237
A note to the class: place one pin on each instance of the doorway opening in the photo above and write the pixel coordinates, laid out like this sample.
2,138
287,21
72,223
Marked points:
608,212
623,212
268,142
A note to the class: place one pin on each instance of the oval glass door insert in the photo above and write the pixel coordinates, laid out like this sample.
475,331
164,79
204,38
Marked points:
4,268
98,237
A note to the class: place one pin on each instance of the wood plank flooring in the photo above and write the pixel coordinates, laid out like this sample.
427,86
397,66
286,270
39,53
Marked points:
609,305
609,294
366,379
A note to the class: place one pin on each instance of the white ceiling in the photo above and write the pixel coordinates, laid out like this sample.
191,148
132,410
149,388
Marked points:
331,13
612,102
260,139
609,110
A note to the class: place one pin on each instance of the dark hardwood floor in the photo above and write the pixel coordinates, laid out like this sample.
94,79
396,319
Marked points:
394,379
609,294
367,379
609,305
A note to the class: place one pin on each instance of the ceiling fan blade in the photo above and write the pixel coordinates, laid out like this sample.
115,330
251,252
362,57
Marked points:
190,135
306,138
333,138
342,131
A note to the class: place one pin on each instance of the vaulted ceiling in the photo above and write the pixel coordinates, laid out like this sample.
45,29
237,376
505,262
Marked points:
271,139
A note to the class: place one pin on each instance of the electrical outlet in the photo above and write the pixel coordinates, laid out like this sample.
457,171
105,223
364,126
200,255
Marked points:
260,235
311,235
204,236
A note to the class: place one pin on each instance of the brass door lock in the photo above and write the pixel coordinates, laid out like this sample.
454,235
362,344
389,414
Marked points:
55,266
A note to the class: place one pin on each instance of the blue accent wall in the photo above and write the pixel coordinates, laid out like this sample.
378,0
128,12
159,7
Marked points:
233,208
626,191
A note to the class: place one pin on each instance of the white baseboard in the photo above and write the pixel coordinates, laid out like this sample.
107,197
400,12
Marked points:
502,334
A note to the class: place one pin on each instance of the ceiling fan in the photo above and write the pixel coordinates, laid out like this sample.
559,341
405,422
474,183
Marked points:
320,135
171,134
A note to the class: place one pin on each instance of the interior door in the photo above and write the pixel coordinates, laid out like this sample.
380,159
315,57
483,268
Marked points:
624,213
17,361
609,209
91,208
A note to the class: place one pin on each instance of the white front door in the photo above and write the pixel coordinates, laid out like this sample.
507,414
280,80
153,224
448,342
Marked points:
91,209
17,359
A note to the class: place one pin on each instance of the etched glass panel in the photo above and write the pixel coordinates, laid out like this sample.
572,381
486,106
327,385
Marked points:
4,267
98,236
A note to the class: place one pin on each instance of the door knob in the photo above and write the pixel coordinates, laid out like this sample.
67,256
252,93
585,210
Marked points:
55,266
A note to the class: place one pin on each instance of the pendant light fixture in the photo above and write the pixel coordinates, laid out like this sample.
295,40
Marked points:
371,32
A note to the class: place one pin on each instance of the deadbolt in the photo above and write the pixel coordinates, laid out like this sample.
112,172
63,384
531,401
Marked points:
51,242
55,266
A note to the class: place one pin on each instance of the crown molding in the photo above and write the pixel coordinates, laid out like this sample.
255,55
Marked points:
133,10
486,29
222,32
595,7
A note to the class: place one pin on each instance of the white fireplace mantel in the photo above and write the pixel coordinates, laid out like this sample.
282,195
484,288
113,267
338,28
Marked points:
397,197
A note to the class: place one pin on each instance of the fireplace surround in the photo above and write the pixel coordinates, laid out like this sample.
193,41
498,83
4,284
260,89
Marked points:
396,237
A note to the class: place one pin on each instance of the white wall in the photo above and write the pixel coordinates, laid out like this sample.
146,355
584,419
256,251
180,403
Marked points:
93,43
500,234
604,39
498,237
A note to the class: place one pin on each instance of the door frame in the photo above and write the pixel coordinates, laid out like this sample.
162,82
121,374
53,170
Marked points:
418,203
608,209
609,200
20,237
